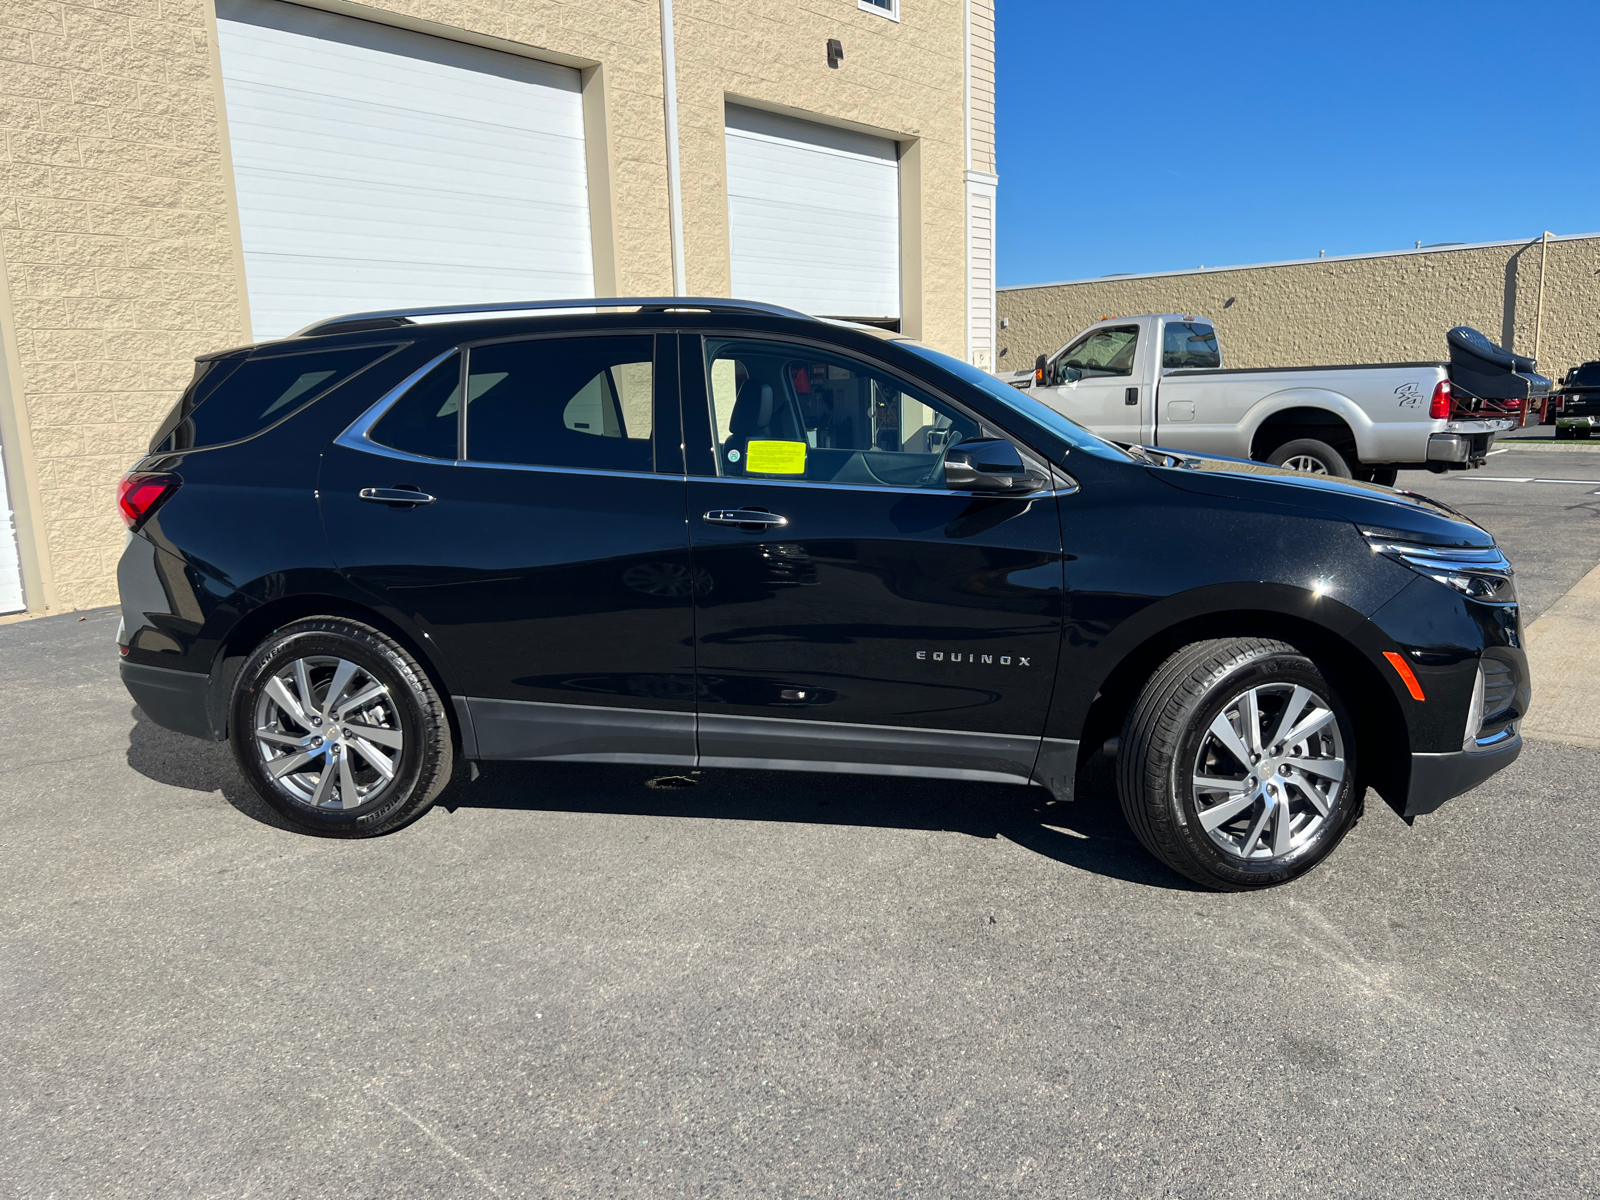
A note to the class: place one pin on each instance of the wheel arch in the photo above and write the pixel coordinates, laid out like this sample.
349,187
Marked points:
1382,737
1305,412
259,622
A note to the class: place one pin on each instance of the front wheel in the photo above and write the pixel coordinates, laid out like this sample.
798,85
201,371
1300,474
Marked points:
1237,764
339,730
1311,456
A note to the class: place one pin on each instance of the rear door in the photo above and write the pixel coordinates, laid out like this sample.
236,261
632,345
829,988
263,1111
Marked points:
545,556
1097,381
849,607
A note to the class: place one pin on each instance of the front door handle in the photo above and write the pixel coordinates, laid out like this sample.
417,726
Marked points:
396,495
745,518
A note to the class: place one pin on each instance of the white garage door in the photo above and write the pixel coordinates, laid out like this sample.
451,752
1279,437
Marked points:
379,168
813,216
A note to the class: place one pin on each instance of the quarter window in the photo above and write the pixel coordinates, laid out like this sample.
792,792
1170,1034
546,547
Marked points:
1189,344
424,421
785,411
563,402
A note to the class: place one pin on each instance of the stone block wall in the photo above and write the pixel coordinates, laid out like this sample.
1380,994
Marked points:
1375,308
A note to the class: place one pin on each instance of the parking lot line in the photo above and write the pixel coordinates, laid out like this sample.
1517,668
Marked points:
1530,479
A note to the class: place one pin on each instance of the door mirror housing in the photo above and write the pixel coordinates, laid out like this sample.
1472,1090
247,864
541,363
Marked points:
989,465
1041,368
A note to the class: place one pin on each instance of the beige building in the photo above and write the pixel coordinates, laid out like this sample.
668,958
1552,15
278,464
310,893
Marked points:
184,175
1393,307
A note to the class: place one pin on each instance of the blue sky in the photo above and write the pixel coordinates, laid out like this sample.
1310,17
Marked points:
1160,136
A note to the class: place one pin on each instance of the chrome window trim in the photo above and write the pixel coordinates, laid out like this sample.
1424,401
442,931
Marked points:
358,434
867,487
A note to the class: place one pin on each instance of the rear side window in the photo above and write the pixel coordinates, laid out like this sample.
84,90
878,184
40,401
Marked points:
584,402
1190,344
260,392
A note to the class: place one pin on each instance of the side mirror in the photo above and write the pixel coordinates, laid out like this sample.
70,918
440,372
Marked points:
988,465
1040,366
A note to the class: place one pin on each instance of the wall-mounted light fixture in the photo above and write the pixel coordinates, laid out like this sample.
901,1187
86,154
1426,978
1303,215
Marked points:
835,53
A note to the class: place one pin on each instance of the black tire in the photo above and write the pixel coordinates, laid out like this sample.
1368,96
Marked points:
1333,463
1563,434
1385,475
409,711
1169,729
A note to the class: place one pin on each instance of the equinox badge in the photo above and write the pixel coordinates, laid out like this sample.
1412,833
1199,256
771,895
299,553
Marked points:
1005,660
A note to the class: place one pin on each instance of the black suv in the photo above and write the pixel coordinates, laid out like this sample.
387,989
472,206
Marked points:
710,533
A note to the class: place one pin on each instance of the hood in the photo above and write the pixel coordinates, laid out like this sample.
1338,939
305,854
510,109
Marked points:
1404,515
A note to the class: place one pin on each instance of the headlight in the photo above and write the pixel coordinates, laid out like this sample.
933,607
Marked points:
1483,574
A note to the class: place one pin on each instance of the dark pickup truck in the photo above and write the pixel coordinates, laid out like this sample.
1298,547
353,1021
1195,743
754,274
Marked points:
1577,405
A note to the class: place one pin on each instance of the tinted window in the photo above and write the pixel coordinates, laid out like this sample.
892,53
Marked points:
1026,406
563,402
424,420
1185,344
785,411
260,392
1587,375
1103,352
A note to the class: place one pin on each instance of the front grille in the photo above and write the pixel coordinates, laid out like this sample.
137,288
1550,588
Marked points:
1499,690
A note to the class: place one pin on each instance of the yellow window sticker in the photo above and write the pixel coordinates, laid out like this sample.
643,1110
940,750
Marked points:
775,458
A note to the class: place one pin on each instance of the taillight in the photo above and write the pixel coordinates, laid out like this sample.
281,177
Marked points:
1439,406
1561,404
140,493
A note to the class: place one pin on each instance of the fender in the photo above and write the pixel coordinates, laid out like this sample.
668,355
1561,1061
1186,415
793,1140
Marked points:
1337,403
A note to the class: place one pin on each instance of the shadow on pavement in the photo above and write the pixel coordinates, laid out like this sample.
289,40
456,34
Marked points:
1088,834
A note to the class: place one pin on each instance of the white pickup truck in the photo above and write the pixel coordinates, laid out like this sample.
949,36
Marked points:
1158,380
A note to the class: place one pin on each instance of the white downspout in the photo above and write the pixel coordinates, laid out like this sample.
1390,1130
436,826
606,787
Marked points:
669,79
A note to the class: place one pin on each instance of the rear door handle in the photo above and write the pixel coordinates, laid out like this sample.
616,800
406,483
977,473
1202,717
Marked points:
1131,396
747,518
396,495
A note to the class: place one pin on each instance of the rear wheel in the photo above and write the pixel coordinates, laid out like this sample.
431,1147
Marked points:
1237,764
1311,456
339,730
1563,433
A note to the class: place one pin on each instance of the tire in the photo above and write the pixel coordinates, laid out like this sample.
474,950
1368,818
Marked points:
392,754
1327,460
1169,740
1384,475
1563,434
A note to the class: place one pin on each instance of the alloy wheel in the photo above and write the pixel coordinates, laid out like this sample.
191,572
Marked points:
1307,463
1268,771
328,732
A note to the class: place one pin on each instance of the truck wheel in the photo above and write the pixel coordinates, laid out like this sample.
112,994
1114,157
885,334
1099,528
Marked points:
1563,433
339,730
1237,764
1311,456
1384,475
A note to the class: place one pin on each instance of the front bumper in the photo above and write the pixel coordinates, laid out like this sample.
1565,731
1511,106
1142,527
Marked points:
1436,778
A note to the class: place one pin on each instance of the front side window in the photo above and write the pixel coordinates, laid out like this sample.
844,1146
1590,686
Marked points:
1103,352
1189,344
786,411
585,402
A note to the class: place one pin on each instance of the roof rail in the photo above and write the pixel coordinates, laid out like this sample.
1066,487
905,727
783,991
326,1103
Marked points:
402,316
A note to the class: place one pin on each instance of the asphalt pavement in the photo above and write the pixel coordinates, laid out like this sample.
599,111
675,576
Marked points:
563,982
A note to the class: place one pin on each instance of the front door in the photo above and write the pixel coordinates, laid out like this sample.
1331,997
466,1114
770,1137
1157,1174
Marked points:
849,607
546,558
1094,381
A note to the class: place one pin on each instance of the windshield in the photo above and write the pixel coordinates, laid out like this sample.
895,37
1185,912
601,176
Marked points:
1587,375
1036,411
